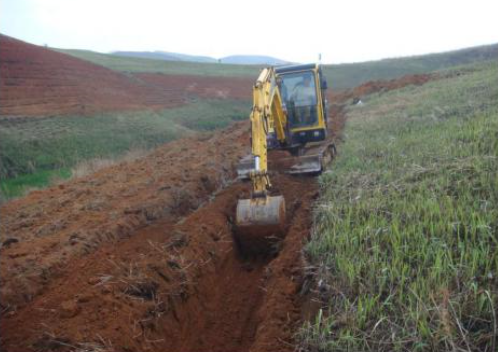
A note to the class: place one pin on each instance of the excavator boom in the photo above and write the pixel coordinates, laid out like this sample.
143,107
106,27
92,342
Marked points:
262,216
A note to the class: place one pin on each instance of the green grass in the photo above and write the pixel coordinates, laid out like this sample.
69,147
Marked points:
33,149
405,241
15,187
130,64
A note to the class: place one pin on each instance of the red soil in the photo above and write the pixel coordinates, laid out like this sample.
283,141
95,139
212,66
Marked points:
175,285
55,225
36,81
182,287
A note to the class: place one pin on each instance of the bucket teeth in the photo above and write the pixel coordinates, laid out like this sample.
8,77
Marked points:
260,223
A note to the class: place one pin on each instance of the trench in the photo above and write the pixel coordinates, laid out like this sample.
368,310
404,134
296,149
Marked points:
177,287
196,290
245,302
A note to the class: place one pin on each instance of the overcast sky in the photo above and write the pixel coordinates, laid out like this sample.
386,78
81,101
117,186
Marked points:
342,30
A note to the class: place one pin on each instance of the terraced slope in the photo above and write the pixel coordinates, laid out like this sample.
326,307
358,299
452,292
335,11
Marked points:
37,81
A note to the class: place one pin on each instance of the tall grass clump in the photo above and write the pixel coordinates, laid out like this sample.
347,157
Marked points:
405,243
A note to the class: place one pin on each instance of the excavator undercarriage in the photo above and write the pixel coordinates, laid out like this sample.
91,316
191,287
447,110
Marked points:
310,160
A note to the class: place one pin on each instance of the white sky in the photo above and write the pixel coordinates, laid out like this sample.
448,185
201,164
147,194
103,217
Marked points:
343,31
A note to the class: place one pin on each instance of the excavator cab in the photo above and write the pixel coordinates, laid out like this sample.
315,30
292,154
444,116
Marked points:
303,96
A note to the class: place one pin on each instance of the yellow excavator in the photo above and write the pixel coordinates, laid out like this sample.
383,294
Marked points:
289,113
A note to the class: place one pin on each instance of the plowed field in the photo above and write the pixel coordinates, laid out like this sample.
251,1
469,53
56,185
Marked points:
37,81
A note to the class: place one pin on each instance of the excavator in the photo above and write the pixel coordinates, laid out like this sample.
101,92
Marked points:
289,113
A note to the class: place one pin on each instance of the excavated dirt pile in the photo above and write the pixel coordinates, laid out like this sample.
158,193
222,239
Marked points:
175,287
140,257
48,228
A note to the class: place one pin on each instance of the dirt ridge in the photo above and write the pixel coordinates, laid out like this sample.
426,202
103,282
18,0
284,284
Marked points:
53,226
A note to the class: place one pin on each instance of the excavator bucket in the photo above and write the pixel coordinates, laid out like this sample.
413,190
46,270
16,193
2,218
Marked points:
260,223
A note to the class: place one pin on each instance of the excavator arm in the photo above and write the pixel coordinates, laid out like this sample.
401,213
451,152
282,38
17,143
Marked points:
267,114
261,219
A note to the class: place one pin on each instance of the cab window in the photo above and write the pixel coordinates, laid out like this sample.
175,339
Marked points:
300,98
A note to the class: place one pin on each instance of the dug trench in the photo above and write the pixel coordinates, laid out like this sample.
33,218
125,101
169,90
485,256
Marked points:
178,285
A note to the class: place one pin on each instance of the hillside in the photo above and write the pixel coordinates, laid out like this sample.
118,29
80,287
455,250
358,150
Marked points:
36,81
39,82
340,76
350,75
404,253
59,112
134,64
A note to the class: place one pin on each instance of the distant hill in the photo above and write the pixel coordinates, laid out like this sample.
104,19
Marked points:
252,60
164,55
233,59
139,64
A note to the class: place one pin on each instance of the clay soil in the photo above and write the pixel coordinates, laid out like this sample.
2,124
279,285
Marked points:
142,270
37,82
141,257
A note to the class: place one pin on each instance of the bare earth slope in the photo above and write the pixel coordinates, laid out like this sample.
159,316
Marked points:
36,81
56,224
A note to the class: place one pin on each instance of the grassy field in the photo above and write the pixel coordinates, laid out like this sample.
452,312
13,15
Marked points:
339,76
405,242
129,64
33,151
